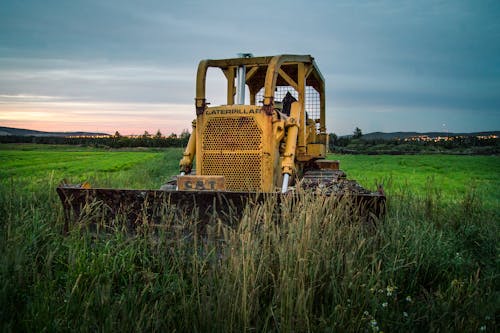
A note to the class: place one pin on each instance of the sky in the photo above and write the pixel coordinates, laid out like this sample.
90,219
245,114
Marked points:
130,66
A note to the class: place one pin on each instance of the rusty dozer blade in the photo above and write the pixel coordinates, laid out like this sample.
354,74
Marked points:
136,207
133,208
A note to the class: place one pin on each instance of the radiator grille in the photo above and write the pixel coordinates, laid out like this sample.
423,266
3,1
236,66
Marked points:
232,147
240,133
241,170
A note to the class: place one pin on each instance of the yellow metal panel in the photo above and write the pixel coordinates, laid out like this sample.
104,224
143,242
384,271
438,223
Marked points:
316,150
235,142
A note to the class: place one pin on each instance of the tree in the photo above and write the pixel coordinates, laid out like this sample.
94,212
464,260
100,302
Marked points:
357,133
158,135
332,140
184,134
117,135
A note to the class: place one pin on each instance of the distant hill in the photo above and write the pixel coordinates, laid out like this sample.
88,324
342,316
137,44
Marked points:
8,131
403,135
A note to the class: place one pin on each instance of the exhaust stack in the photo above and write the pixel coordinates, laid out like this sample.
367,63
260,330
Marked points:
241,80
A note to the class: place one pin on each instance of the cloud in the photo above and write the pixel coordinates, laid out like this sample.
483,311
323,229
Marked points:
128,118
402,56
94,80
27,98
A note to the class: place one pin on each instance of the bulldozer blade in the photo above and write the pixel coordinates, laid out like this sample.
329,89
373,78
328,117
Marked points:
134,208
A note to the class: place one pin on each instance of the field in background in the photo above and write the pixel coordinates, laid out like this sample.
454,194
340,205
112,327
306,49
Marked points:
431,265
101,167
452,175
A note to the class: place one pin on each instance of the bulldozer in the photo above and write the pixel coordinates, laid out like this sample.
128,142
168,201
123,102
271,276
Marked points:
269,139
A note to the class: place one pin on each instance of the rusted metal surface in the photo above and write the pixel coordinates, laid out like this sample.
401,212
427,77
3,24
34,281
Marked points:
136,207
327,164
133,208
201,183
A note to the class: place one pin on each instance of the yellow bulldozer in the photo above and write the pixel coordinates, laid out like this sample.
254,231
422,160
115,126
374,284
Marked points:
272,142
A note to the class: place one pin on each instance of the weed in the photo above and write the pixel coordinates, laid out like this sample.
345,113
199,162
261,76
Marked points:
431,265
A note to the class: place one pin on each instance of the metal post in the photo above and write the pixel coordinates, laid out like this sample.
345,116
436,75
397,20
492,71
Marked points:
241,85
241,80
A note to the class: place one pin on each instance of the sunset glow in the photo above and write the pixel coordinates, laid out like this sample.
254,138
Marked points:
45,113
388,66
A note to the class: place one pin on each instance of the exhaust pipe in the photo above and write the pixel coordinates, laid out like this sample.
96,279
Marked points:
241,80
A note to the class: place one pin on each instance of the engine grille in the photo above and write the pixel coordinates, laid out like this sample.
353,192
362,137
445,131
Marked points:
242,171
232,147
240,133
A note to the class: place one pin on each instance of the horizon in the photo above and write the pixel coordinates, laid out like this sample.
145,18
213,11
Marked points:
121,66
152,133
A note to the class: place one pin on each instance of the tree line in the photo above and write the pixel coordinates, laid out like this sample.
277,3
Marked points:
114,141
356,143
336,143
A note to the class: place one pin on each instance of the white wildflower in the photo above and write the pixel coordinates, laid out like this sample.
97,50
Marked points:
390,290
374,325
384,305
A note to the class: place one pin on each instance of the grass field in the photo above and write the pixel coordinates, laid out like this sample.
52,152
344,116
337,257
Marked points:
431,265
452,175
51,163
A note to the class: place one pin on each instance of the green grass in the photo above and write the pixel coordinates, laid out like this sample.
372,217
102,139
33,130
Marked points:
454,176
431,265
100,167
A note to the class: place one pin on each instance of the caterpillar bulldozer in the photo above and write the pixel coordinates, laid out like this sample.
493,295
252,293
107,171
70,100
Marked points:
272,142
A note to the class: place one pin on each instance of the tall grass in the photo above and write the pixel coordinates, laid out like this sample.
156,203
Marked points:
430,265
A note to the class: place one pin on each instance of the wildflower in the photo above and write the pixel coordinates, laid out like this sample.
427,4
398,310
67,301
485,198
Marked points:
366,313
384,305
482,328
374,325
390,290
372,290
405,314
408,298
